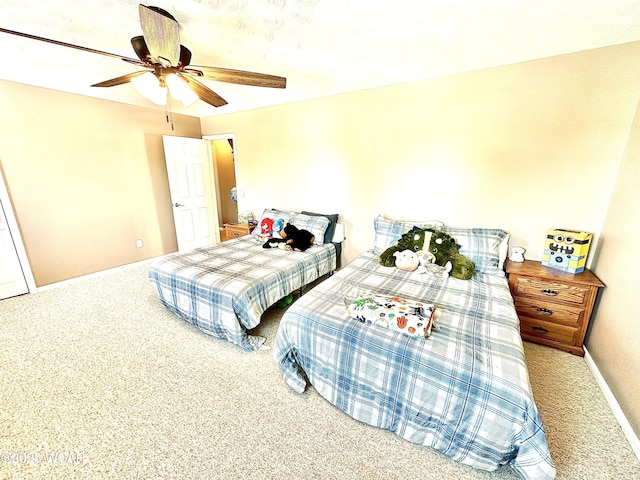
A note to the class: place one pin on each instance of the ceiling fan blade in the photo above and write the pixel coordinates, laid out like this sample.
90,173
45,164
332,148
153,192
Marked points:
204,93
142,51
70,45
161,33
119,80
241,77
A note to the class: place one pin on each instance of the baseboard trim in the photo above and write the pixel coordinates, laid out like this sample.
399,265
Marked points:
633,439
94,275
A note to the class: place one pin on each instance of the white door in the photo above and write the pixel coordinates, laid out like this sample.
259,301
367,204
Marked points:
195,210
12,280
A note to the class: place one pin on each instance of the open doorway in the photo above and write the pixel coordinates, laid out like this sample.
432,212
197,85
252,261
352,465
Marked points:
224,165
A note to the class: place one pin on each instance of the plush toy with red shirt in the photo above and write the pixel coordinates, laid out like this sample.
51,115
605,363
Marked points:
266,227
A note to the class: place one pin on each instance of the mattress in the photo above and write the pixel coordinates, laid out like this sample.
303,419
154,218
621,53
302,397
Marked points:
463,391
223,289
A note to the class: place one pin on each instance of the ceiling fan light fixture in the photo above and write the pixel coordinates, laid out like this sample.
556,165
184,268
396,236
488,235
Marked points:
148,85
180,90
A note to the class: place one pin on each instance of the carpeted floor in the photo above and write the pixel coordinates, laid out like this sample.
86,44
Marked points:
98,380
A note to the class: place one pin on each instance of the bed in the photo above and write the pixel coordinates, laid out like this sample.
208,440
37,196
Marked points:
463,391
223,289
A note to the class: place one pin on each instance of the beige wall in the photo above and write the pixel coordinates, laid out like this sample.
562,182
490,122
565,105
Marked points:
525,147
614,337
87,179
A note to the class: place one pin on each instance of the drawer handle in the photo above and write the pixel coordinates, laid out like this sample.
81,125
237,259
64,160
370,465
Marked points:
549,293
544,311
540,329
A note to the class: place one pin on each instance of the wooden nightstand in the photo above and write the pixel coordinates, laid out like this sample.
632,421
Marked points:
237,230
554,307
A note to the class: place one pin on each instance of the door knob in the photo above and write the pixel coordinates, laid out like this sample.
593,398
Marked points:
178,204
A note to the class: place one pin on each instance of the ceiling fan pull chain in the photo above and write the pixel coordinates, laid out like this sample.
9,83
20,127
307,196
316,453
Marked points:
167,114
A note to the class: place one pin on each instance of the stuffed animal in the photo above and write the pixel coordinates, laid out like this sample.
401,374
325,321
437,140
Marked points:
432,245
406,260
293,238
266,226
278,226
433,269
412,240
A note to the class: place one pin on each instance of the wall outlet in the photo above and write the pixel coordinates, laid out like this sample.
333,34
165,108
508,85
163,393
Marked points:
139,243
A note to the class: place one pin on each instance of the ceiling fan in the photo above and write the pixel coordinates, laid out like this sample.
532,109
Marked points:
167,64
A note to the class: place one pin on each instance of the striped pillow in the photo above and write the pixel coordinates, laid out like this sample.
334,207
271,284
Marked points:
480,245
314,224
388,232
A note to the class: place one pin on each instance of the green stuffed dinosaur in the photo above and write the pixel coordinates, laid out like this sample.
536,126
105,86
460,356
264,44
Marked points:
432,245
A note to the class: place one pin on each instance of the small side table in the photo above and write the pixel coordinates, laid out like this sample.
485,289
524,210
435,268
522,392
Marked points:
554,307
236,230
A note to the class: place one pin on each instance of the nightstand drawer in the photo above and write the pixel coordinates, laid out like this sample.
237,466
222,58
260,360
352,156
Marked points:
551,291
236,230
549,311
235,233
532,329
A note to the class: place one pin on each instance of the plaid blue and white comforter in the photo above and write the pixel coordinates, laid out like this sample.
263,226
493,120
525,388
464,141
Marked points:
464,390
223,289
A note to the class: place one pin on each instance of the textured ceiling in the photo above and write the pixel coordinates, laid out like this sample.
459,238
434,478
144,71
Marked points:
323,47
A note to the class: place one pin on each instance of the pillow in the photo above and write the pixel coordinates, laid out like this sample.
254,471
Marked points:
314,224
388,232
333,219
481,245
503,251
272,214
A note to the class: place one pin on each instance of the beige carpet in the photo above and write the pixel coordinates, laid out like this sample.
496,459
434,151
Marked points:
97,380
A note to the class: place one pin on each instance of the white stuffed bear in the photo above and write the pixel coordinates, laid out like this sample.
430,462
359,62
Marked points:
409,261
406,260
